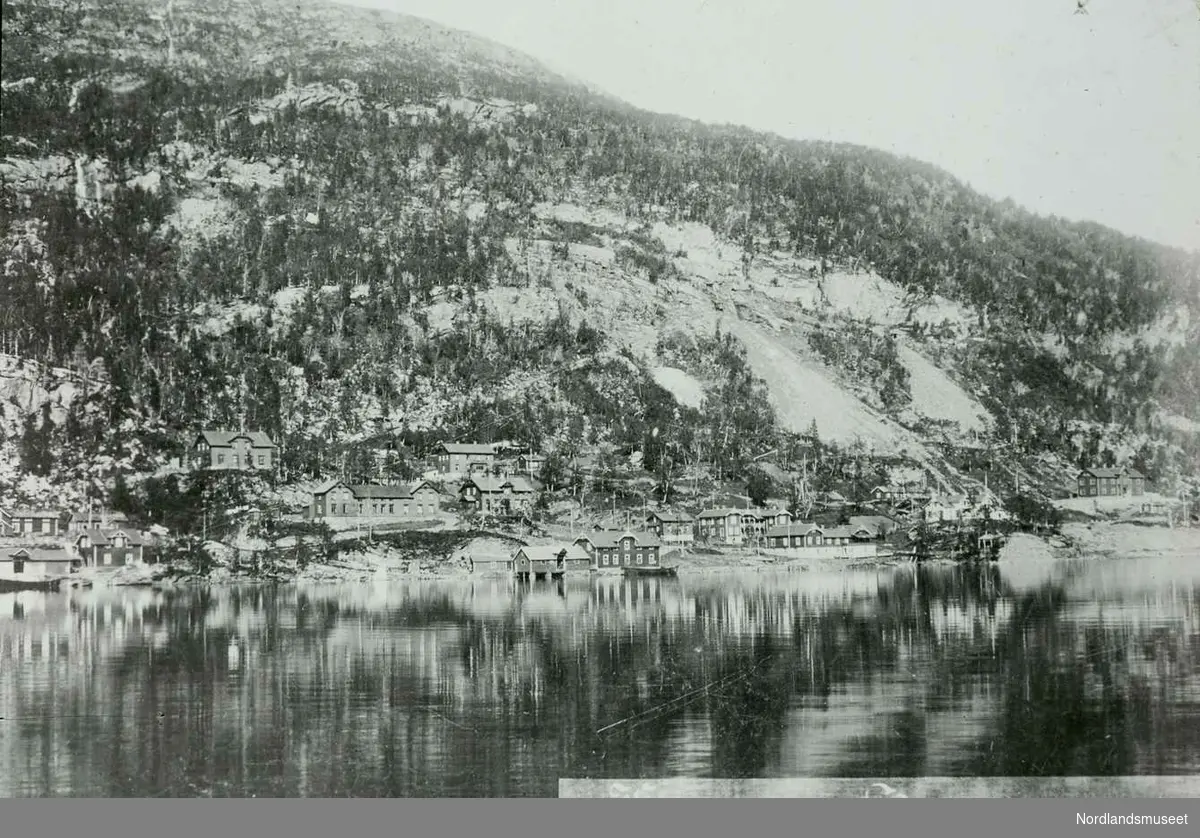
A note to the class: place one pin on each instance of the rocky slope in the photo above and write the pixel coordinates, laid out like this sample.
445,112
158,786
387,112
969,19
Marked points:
339,224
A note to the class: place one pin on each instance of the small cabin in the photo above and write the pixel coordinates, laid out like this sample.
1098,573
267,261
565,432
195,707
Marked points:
490,565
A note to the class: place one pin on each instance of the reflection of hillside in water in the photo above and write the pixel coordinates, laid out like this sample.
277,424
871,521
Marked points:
494,687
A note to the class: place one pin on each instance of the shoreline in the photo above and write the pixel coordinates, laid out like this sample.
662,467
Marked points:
385,563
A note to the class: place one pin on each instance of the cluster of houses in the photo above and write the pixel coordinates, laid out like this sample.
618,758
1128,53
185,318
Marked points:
43,544
600,550
776,528
483,486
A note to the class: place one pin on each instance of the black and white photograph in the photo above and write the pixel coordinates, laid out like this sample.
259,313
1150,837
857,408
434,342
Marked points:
565,398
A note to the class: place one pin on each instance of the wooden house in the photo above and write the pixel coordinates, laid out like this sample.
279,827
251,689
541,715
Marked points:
615,549
496,495
796,534
464,458
1110,482
843,535
671,527
35,564
233,451
84,520
720,526
115,546
337,499
26,521
756,522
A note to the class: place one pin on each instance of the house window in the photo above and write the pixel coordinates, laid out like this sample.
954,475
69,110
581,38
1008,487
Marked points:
236,461
220,459
262,459
18,565
360,508
391,508
406,509
639,557
604,559
653,557
374,508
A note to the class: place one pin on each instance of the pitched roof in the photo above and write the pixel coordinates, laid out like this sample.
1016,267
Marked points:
1103,472
223,439
95,538
795,528
132,536
873,524
370,491
540,552
468,448
574,551
842,532
376,492
491,483
720,513
26,512
612,538
38,554
328,486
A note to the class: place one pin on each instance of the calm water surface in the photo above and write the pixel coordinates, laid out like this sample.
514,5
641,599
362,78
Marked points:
489,688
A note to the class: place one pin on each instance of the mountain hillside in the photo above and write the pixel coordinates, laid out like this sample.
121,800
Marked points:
341,226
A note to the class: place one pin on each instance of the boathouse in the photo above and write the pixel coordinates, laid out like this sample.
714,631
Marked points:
34,564
549,561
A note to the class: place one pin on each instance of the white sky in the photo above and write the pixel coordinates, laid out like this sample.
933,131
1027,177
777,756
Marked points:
1089,116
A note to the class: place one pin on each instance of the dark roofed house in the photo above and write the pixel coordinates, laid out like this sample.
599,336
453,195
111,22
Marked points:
756,522
234,450
720,526
497,495
841,535
464,457
84,520
615,549
114,546
25,521
1110,482
671,527
796,534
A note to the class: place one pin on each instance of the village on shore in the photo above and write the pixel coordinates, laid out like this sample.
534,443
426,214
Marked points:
496,495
